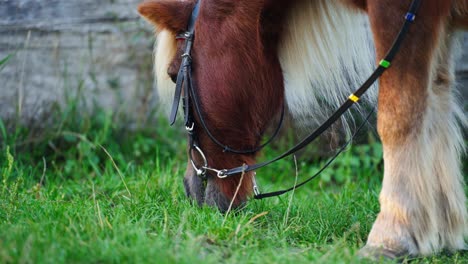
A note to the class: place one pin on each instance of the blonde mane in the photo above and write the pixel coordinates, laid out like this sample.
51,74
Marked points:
319,74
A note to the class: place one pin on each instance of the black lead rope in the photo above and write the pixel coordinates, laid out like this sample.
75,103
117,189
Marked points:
327,164
383,65
353,98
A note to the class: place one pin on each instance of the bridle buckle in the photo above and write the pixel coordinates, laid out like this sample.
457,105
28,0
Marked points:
190,128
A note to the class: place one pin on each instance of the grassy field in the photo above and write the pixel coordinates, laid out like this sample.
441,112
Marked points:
93,192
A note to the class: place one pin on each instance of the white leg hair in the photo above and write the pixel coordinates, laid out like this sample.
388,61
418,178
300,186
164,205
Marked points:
449,146
423,204
324,56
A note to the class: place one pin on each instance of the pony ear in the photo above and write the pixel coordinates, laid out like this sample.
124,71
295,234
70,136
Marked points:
167,14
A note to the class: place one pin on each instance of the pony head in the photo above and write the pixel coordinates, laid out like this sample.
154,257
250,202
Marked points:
238,79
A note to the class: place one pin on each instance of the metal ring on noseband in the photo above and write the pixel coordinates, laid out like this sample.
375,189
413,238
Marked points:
202,170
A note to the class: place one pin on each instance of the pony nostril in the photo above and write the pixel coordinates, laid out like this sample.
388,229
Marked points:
194,187
187,188
215,198
172,72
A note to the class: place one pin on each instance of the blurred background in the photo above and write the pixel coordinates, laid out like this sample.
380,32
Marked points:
87,54
95,54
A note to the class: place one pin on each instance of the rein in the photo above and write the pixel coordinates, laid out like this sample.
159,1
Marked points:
190,97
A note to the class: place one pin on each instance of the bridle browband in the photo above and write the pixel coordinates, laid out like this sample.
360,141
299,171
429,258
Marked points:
190,98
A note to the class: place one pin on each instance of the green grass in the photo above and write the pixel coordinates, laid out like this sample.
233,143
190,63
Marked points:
93,192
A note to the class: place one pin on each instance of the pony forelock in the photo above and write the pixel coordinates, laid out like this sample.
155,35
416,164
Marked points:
165,51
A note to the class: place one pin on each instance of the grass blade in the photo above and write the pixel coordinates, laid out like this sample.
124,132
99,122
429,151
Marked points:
3,131
4,61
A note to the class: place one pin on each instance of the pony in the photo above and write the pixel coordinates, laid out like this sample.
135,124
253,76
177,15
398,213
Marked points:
251,57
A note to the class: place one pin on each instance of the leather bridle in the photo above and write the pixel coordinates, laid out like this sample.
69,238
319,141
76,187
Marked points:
191,101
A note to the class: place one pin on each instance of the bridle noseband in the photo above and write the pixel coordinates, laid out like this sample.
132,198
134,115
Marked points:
190,101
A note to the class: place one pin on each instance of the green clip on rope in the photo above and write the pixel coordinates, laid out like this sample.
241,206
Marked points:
385,63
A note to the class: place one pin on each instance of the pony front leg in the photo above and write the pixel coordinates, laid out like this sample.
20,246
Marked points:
422,200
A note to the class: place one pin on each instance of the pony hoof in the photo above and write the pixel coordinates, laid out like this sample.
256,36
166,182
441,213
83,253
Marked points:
380,254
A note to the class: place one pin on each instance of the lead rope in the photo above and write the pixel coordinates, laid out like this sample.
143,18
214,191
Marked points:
383,65
258,195
352,99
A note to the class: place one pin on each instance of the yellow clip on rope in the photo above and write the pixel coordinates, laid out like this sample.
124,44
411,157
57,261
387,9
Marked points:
354,98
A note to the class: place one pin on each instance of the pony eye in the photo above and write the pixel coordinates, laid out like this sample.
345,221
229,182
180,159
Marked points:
173,77
172,72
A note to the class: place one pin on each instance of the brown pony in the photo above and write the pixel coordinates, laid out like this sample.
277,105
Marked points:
250,56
